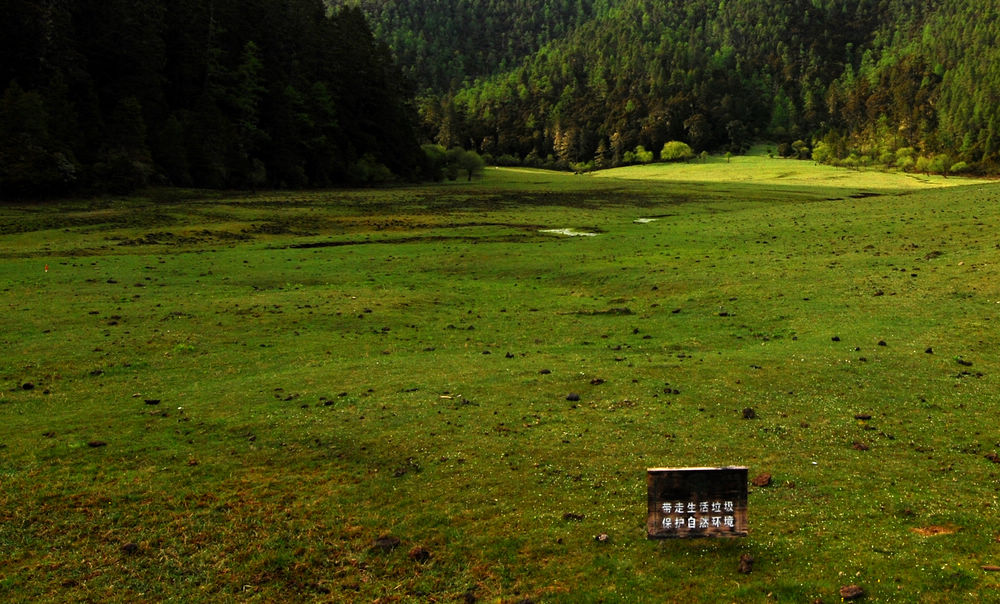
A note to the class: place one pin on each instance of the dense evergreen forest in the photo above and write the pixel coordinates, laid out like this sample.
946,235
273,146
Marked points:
900,83
116,94
444,44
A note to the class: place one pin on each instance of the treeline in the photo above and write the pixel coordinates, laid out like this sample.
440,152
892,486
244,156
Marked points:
859,79
716,75
927,98
446,44
116,94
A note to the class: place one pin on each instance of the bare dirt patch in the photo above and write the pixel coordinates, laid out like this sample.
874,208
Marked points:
936,530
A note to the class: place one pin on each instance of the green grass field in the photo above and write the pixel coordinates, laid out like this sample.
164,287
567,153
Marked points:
233,397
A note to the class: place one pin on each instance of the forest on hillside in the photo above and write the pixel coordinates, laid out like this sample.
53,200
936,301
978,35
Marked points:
112,95
897,83
116,95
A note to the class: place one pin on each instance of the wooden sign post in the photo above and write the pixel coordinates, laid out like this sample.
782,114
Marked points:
696,502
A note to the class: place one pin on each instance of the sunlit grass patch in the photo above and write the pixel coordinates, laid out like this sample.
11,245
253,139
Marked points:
760,170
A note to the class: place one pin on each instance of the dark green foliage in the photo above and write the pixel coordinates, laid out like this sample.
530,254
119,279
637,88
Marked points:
470,162
444,44
589,81
31,162
440,163
113,95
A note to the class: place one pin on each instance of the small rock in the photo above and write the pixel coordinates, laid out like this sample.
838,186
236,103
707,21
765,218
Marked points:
386,543
882,343
761,480
929,350
545,371
863,416
573,397
419,554
152,401
993,457
130,548
959,360
596,382
572,516
97,443
49,434
749,413
860,446
510,355
602,538
746,564
835,338
851,592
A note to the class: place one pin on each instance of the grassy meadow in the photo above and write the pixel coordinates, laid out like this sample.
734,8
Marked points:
361,395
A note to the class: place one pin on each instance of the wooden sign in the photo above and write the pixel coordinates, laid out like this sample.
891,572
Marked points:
696,502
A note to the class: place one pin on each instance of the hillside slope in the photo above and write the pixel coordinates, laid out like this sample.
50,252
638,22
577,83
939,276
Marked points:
865,77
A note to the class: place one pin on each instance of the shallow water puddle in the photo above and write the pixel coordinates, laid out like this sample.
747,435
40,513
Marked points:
568,232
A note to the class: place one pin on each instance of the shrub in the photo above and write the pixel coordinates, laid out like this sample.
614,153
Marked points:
959,168
905,162
822,153
923,164
800,149
676,151
642,156
369,170
940,164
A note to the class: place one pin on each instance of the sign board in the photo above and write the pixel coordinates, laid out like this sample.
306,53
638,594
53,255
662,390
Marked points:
696,502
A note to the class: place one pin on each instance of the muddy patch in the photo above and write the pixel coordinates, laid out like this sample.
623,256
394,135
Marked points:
192,238
935,530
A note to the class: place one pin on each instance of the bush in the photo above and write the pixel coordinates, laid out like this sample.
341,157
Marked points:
923,164
470,162
508,160
822,153
905,162
369,170
959,168
940,164
435,158
676,151
800,150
